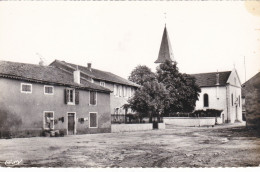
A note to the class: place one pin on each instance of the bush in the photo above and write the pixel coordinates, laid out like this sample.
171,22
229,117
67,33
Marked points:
198,113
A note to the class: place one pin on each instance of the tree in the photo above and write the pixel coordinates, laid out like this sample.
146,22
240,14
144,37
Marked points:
149,99
182,88
141,74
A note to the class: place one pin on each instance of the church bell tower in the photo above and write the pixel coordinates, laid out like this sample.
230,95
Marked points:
165,52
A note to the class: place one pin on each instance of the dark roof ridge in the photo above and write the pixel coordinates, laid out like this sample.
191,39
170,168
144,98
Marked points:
68,64
210,72
251,78
109,80
35,73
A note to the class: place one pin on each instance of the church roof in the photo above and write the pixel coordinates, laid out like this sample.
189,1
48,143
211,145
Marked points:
165,52
210,79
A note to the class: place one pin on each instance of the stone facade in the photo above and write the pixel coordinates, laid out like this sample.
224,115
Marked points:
29,108
251,91
117,99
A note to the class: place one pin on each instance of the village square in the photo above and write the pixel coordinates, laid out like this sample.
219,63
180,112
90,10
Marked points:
69,113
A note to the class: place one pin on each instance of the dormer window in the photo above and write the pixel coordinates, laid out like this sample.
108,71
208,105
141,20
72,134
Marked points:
102,84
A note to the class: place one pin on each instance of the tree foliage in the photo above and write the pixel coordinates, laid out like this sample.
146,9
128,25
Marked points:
165,92
142,74
149,99
183,90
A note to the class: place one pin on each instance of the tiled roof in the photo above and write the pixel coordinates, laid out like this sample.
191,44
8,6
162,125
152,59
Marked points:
43,74
247,84
210,79
98,74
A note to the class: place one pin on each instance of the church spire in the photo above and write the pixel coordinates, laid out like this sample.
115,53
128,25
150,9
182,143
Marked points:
165,52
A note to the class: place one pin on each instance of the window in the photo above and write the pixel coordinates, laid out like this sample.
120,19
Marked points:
120,90
49,90
130,93
232,99
48,120
206,100
26,88
102,84
71,96
239,100
115,89
124,91
93,123
93,98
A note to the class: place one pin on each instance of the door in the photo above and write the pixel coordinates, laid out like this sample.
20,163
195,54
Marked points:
71,123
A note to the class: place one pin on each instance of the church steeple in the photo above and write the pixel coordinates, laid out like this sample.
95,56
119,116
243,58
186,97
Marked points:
165,52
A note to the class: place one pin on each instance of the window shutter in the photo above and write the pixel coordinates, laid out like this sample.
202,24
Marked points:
76,97
66,96
95,98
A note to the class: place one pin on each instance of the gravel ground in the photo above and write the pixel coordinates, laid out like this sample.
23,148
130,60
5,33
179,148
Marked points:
220,146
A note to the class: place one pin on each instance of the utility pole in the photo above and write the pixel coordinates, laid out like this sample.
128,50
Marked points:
245,67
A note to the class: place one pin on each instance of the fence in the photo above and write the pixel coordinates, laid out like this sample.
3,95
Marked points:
133,119
197,113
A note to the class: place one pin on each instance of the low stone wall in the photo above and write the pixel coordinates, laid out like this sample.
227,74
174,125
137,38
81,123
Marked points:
189,121
115,128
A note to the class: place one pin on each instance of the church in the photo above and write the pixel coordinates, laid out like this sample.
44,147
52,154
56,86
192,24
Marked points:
219,90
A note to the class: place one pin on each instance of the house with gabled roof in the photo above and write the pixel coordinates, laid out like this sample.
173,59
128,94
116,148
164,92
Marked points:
35,98
219,90
121,89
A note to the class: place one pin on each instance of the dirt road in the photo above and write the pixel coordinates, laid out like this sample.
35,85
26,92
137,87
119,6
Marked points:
221,146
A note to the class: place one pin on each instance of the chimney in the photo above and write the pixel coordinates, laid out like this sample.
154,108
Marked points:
89,66
41,62
76,76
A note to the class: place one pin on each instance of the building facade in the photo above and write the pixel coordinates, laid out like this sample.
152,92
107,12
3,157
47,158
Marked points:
121,89
251,101
35,98
221,91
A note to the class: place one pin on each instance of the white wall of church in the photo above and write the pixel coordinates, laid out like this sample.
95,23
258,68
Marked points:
217,99
234,88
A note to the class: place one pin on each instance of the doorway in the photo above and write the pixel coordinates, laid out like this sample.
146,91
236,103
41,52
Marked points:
71,123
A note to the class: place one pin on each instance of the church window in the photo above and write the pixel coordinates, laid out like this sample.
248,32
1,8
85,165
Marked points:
206,100
232,100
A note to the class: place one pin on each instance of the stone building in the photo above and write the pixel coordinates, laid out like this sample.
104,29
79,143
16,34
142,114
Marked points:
222,91
34,98
121,89
251,101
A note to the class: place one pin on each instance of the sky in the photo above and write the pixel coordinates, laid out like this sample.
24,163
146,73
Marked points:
118,36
